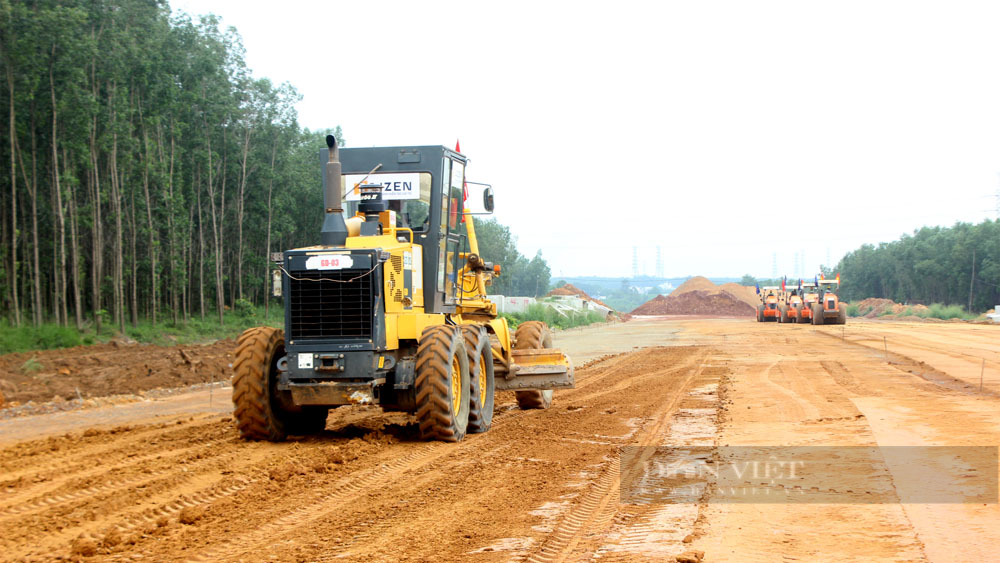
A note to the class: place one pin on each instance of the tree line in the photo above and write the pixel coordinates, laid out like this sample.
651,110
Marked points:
957,265
519,276
150,174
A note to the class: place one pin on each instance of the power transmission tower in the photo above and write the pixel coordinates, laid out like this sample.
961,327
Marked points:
635,261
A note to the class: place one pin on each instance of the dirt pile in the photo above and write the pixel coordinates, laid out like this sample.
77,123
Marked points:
744,293
719,304
699,296
110,369
877,307
700,283
570,289
697,283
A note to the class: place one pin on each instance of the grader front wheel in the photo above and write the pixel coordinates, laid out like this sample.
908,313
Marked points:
262,411
533,335
479,350
442,384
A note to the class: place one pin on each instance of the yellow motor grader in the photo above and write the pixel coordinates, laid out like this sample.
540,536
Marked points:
390,308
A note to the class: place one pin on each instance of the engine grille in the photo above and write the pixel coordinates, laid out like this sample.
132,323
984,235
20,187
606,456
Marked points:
321,308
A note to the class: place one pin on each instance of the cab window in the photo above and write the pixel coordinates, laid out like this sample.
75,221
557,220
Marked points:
408,194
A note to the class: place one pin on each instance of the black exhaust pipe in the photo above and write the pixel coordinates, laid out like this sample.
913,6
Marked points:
334,232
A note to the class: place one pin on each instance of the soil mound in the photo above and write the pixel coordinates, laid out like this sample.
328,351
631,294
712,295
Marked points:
877,307
700,283
717,304
570,289
110,369
744,293
697,283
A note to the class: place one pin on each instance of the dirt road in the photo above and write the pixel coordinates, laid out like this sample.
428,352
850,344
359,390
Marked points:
541,485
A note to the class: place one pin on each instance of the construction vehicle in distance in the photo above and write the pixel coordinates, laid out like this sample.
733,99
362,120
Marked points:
810,295
768,310
828,309
390,308
791,307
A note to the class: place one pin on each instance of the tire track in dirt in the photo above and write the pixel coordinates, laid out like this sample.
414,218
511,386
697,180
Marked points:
31,497
597,508
59,455
142,494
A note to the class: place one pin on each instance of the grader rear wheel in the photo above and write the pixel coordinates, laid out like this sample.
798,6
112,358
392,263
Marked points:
262,411
442,384
479,350
533,335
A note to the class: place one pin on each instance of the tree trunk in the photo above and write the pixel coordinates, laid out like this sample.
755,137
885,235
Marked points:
15,304
74,252
152,231
267,245
239,212
133,262
116,207
201,253
216,227
96,232
171,236
33,191
60,250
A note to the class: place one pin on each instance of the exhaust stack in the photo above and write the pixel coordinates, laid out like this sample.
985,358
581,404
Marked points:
334,232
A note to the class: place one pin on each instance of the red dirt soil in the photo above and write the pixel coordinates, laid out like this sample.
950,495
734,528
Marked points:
703,303
699,296
110,369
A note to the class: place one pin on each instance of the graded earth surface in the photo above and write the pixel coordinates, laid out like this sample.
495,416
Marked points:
164,476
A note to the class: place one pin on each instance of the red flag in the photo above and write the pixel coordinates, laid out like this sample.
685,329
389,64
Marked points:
458,149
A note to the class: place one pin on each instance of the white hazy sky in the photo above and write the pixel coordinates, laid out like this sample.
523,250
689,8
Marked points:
722,132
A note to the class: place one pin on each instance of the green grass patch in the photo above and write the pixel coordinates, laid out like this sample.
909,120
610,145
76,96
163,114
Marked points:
38,338
853,311
553,318
947,312
50,336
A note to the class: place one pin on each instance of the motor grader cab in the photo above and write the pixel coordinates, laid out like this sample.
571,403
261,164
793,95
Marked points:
828,309
390,308
768,310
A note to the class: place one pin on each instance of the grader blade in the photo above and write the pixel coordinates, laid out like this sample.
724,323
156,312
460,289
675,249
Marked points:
542,368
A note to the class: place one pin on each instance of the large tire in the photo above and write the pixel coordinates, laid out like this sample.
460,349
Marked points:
262,412
842,314
533,335
784,315
478,348
760,313
442,384
817,314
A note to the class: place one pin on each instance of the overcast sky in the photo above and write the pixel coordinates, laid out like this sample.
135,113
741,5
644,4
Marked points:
722,132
